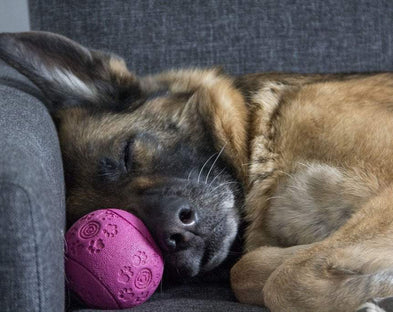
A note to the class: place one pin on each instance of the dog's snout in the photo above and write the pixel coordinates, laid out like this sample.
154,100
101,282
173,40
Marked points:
178,220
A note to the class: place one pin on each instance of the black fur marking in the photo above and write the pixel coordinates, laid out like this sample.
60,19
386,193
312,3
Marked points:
109,170
127,158
67,73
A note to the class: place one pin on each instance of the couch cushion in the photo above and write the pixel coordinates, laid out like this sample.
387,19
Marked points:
32,204
192,298
243,36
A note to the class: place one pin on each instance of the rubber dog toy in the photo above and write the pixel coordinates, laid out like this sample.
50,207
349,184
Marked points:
111,260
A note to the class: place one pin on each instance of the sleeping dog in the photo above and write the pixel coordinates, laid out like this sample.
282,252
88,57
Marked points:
305,159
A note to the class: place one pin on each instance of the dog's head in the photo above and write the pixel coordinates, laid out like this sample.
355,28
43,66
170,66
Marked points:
174,159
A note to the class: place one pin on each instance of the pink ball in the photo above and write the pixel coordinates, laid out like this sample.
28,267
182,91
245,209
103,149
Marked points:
112,261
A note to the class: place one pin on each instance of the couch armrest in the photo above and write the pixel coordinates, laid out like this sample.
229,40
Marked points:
32,206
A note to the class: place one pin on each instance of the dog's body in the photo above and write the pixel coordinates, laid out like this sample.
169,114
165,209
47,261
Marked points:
312,153
320,177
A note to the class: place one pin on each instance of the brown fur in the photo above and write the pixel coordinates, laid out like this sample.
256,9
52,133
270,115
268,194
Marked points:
344,125
313,154
319,179
218,101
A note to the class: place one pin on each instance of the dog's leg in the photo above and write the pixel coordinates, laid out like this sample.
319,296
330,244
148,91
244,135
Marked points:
343,271
250,273
308,206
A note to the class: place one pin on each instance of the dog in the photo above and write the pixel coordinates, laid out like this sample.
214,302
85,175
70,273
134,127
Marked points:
305,160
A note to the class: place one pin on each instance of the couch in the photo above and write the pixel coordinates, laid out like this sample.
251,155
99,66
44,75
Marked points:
241,35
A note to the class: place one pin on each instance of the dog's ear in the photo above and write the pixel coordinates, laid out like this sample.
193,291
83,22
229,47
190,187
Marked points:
218,103
69,74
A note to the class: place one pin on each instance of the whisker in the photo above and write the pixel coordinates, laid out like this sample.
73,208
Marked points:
218,156
200,172
210,184
223,184
189,175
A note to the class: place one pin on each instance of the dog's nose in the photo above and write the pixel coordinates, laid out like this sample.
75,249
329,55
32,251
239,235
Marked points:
178,220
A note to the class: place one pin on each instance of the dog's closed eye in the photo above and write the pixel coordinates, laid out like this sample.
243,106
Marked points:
109,170
127,155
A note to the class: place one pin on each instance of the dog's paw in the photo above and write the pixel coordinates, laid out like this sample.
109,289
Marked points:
377,305
246,283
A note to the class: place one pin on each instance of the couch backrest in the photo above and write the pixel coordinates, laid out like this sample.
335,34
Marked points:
241,35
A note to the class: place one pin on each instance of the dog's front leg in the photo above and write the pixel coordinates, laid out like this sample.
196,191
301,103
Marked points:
343,271
250,273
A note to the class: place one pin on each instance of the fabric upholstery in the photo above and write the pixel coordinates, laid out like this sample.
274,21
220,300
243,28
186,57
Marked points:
194,297
31,203
241,35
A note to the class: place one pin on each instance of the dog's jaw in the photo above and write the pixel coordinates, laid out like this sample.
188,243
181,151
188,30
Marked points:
231,223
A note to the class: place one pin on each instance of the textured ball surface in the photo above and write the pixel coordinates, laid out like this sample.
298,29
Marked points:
112,261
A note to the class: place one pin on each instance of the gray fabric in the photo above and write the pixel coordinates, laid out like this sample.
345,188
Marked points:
242,35
31,205
192,298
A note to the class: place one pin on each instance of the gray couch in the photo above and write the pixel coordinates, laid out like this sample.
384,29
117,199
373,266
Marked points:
242,36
